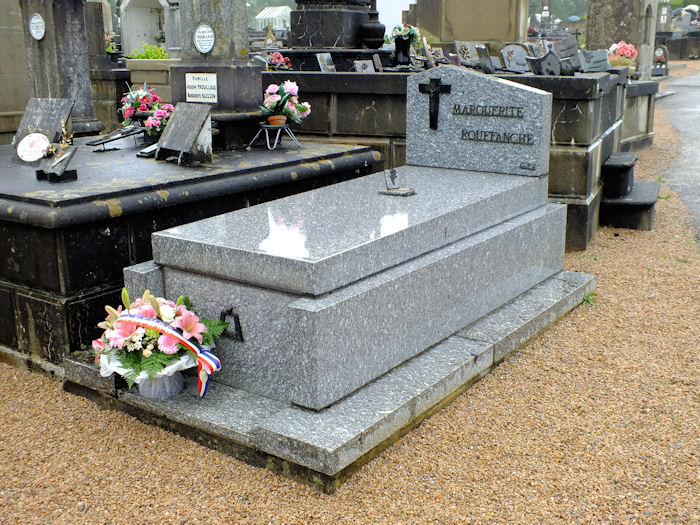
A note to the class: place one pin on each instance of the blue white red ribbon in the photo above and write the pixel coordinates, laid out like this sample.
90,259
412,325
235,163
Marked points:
207,363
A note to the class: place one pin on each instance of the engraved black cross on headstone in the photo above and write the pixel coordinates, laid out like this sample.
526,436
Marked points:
434,89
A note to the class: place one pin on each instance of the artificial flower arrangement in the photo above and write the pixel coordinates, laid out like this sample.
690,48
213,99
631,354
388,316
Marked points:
622,54
143,100
278,61
110,44
283,100
660,60
153,337
406,31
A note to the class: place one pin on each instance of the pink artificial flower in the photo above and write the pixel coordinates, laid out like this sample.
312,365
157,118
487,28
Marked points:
143,107
161,113
167,344
123,333
290,87
128,111
168,107
156,98
307,111
272,88
124,100
99,345
147,100
189,324
152,122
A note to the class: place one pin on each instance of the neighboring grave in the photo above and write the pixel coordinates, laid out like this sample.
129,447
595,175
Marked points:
141,21
58,57
483,123
664,19
214,68
467,52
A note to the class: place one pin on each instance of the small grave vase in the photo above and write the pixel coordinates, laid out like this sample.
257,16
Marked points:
403,51
162,387
372,32
277,120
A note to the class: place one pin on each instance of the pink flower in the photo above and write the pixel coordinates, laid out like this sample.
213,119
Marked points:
167,344
290,87
143,310
161,113
147,100
168,107
124,100
152,122
189,324
128,111
143,107
307,111
272,88
123,333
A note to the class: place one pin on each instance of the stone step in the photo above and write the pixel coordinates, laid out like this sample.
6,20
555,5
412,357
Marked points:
634,210
323,448
617,174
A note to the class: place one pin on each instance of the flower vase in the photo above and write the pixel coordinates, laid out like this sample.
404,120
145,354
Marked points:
277,120
162,387
402,53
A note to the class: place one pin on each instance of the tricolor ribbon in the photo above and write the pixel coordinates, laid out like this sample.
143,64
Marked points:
207,363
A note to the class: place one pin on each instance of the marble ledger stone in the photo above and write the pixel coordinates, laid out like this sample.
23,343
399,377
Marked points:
313,351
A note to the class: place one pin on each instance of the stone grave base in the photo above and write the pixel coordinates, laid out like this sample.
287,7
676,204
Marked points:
323,448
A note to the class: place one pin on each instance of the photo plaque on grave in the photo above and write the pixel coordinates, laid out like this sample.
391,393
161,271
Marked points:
37,26
204,38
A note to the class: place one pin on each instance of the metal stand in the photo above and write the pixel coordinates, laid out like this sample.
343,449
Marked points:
266,128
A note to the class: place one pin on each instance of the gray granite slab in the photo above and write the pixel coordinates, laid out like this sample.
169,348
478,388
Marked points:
144,276
484,124
318,241
513,57
225,411
330,440
314,351
527,315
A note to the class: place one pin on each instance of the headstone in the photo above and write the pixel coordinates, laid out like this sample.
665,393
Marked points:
483,123
57,54
324,24
567,48
663,23
514,58
485,60
567,68
325,62
364,66
214,42
428,53
685,22
595,61
467,53
377,60
549,64
187,135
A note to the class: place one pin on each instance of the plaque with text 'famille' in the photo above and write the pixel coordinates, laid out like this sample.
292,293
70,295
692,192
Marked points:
201,88
467,120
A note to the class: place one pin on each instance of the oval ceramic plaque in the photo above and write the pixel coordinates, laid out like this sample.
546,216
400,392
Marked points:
204,38
33,147
37,27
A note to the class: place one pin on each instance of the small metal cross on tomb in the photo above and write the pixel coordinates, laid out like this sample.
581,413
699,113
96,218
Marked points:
434,89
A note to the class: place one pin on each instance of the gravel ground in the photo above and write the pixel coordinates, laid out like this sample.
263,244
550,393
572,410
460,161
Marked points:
595,421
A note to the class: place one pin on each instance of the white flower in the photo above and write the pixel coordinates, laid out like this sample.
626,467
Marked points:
167,313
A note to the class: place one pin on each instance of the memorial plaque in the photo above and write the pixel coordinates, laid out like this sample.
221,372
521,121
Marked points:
363,66
567,48
485,60
483,123
187,135
547,65
325,62
201,88
33,147
514,58
204,38
595,61
47,116
467,53
37,26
